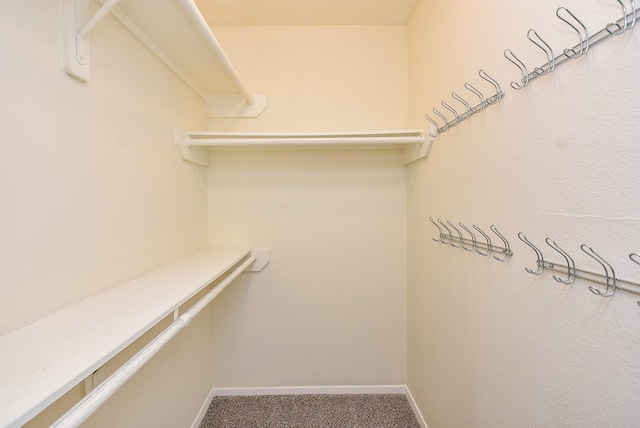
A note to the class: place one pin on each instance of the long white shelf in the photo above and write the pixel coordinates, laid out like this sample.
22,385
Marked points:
177,33
43,360
195,145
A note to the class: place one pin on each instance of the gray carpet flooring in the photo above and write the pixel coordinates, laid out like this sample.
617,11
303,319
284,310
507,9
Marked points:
311,411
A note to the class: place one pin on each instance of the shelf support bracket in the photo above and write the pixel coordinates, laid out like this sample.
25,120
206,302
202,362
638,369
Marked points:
77,50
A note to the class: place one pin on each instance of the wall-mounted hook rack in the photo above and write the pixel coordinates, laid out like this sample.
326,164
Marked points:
609,279
458,240
618,27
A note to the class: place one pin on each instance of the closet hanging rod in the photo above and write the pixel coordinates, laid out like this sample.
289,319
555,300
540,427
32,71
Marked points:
203,28
221,142
222,139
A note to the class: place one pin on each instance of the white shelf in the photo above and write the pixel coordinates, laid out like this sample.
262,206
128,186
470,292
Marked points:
176,32
195,145
43,360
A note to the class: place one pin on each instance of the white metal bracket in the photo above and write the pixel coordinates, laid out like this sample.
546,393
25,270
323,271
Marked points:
262,259
417,151
77,50
193,154
234,105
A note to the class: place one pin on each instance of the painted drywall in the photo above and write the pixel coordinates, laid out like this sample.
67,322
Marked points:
320,78
330,308
490,345
94,190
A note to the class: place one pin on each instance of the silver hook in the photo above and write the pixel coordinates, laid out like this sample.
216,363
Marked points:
499,94
540,257
473,238
571,266
455,113
459,235
615,28
448,233
635,257
507,248
611,279
523,69
443,117
477,92
435,124
466,104
440,234
584,42
634,11
489,246
551,61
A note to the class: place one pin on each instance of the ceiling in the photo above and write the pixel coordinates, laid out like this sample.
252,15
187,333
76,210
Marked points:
306,12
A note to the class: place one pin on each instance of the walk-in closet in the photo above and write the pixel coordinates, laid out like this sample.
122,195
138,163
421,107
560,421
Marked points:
435,200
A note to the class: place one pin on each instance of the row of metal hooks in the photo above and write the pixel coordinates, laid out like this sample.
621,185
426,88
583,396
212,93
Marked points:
483,248
570,272
627,22
468,109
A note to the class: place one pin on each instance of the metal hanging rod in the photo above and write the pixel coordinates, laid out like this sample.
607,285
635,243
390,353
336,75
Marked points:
627,22
569,270
468,109
472,244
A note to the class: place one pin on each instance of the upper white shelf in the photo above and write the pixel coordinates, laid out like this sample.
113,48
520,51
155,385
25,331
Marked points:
174,30
195,145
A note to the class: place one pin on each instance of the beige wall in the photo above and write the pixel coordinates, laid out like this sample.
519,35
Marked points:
488,344
94,191
320,78
330,308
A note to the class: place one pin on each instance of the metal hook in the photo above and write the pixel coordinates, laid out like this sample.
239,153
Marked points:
477,92
523,69
551,62
611,279
466,104
635,257
436,125
571,266
473,238
448,233
633,8
615,28
584,42
459,235
540,257
507,248
443,117
489,246
499,93
456,119
440,234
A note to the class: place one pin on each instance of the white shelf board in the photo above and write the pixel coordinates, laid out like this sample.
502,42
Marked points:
43,360
195,145
173,30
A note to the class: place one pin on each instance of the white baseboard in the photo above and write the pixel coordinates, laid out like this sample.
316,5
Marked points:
415,408
298,390
203,409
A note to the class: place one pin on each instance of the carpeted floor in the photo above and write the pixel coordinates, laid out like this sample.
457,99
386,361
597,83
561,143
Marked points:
311,411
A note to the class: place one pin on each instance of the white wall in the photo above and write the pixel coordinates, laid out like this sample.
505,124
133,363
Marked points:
488,344
94,191
330,308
